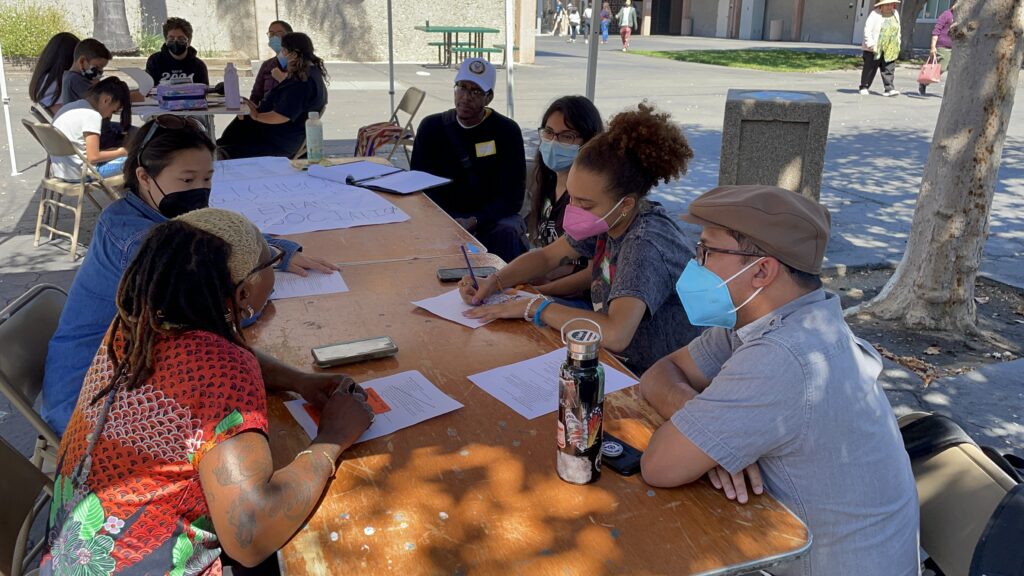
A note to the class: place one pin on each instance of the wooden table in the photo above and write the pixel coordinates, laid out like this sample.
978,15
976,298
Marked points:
450,35
475,491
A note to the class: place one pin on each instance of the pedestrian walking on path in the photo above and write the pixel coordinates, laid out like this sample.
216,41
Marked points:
942,44
574,23
881,46
606,21
627,21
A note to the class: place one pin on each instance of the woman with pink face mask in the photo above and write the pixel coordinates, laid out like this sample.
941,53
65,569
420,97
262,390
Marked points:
635,249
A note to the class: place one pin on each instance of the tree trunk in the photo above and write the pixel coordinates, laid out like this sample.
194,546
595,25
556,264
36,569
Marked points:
110,26
909,11
933,286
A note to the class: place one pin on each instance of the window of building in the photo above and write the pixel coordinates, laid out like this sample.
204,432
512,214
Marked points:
933,8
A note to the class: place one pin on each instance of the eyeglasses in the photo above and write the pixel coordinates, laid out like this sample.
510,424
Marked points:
169,122
703,250
272,262
568,137
471,90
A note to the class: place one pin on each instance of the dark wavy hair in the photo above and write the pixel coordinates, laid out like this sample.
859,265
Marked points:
640,148
302,45
580,115
57,58
287,27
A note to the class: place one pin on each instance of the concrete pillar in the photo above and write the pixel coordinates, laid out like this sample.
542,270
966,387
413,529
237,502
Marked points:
775,138
526,31
798,20
645,17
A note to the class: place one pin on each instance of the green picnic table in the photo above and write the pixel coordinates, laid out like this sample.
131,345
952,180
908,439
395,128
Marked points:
450,39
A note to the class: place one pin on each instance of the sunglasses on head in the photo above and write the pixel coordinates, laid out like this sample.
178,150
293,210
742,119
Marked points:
170,122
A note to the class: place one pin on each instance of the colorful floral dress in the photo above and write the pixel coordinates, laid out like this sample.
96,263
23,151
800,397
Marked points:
889,40
136,507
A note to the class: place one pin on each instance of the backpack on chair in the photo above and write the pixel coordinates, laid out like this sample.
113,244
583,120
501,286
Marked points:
972,499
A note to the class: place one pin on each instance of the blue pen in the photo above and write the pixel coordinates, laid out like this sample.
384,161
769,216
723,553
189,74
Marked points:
470,267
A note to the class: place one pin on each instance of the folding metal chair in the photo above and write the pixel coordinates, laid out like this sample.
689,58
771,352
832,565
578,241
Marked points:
27,492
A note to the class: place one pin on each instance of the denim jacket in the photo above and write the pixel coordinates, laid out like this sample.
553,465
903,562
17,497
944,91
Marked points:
91,306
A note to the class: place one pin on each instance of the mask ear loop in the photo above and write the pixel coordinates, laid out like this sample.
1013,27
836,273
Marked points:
733,277
756,292
598,326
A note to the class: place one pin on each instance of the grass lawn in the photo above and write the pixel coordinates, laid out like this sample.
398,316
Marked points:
771,60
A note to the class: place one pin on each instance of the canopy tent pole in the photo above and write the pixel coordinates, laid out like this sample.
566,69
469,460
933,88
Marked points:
510,56
391,59
592,56
7,113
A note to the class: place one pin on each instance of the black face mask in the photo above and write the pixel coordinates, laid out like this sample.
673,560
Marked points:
177,48
92,73
178,203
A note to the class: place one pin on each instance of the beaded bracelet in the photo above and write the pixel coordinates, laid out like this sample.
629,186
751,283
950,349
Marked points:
334,470
540,310
526,312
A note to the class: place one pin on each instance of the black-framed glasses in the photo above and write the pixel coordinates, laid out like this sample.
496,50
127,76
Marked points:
703,250
269,263
472,91
567,137
169,122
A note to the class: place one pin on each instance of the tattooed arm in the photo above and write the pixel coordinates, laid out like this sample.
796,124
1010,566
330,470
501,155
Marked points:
254,509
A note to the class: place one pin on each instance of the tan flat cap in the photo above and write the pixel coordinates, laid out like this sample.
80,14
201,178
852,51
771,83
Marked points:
786,225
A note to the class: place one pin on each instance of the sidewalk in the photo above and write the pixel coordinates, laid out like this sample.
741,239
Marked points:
874,160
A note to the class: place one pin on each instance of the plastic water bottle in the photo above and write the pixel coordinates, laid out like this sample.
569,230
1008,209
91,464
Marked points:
314,138
580,408
232,98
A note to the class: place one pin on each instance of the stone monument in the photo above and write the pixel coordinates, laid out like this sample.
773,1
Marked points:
775,137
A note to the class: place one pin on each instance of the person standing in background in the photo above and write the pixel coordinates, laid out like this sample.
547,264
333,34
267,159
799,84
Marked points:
574,23
606,21
942,44
588,18
627,21
881,47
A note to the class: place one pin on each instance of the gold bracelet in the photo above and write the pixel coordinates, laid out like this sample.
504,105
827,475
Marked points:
334,470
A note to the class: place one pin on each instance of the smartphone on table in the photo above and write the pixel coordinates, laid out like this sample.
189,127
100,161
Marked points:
456,274
341,353
619,456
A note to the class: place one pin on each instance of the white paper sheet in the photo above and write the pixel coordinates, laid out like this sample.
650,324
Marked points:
227,171
530,387
288,285
299,203
143,81
450,306
406,182
399,401
357,170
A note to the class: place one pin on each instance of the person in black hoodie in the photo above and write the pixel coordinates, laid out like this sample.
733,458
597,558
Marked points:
176,62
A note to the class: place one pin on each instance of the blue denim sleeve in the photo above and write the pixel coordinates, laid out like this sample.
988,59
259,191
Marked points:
287,246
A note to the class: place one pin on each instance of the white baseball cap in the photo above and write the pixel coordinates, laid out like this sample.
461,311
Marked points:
478,71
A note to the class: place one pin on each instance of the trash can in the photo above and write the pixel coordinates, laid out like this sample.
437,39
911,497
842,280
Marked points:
775,30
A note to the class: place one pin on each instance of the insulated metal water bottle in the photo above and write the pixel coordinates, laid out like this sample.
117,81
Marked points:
580,407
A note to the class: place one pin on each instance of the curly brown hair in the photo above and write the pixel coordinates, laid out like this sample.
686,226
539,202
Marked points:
640,148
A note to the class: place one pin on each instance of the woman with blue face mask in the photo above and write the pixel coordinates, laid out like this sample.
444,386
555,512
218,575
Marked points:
272,72
635,250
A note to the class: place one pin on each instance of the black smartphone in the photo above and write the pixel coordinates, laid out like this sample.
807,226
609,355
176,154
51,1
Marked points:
456,274
619,456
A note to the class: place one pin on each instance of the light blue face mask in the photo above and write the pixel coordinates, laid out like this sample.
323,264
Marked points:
282,61
706,297
275,43
557,156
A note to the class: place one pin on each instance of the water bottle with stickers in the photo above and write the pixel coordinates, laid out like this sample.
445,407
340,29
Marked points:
314,138
580,406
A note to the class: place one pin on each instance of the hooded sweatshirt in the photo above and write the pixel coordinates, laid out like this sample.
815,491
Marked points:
166,69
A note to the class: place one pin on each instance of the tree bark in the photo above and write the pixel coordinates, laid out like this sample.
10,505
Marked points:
110,26
933,286
909,10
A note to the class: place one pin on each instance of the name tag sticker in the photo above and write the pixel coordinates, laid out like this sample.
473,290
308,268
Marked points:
486,149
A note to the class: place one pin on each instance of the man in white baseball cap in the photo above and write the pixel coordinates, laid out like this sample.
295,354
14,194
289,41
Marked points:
482,153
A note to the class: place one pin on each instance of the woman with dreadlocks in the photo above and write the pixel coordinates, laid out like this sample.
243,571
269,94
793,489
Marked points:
168,173
165,462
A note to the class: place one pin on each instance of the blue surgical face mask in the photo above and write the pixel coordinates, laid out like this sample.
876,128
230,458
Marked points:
282,61
557,156
246,322
275,43
706,297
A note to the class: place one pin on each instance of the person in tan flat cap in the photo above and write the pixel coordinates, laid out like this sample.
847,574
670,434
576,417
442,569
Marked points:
780,390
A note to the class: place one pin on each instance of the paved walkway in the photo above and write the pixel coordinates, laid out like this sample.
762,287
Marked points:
876,152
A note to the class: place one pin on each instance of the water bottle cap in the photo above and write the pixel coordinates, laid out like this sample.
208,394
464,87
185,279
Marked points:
583,344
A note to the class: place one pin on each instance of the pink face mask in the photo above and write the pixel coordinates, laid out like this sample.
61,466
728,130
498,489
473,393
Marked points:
580,224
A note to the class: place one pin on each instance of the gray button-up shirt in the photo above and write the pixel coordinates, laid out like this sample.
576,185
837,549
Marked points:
796,391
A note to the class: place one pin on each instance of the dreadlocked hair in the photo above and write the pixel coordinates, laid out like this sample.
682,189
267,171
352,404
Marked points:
178,281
